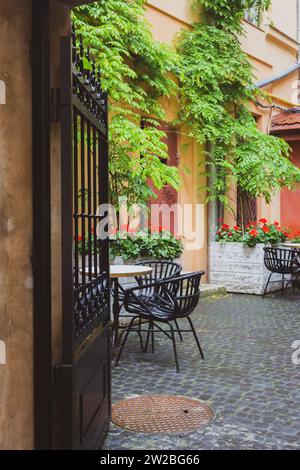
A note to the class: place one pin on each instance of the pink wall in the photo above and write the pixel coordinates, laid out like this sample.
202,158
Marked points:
290,200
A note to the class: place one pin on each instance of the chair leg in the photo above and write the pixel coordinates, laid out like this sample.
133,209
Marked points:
294,280
178,330
148,337
152,337
124,341
267,285
282,285
174,347
140,334
196,337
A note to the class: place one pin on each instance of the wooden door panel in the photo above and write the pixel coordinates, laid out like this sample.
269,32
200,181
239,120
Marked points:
92,390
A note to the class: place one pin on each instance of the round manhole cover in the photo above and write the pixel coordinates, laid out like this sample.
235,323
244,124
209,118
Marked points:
161,414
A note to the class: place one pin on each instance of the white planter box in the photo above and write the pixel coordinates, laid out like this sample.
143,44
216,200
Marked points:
240,269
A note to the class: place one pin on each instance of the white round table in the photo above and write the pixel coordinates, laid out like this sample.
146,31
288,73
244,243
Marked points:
292,245
127,270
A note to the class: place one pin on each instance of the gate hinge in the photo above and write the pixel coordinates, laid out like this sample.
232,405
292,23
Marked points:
54,105
62,376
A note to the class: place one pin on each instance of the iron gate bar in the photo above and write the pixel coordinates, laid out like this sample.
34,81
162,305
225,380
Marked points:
82,192
93,120
76,233
89,200
95,196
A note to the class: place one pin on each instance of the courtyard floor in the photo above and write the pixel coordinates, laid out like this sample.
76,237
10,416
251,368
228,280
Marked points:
248,377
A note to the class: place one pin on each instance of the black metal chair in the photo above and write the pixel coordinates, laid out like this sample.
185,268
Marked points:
281,261
172,299
161,270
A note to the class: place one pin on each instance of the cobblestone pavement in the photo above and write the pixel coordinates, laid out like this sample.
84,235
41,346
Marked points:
247,377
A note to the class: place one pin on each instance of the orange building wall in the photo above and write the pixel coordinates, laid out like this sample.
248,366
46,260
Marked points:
271,48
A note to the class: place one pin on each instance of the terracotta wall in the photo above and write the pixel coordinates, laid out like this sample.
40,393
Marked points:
16,284
290,211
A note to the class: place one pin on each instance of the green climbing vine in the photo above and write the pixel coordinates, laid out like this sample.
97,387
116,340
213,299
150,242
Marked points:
217,86
136,73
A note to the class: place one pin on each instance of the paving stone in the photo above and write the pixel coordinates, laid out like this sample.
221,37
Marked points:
247,377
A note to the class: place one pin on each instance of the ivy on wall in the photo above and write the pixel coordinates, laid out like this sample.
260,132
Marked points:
136,73
217,86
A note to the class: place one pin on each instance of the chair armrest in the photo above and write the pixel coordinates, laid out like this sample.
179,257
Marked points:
132,295
134,303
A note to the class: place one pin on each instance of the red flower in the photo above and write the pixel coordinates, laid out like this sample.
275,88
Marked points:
285,234
276,224
230,234
266,229
225,227
236,228
253,233
113,231
263,221
79,238
124,227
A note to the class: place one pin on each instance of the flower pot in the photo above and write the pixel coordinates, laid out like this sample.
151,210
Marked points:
240,269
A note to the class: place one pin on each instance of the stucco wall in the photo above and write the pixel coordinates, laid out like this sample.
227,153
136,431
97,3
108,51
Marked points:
16,377
16,284
284,17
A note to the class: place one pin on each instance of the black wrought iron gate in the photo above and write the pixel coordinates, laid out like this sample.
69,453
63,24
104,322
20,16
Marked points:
84,377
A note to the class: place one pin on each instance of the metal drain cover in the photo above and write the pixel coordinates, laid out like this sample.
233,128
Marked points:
161,414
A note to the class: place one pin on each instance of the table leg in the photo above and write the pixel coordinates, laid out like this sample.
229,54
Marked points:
116,311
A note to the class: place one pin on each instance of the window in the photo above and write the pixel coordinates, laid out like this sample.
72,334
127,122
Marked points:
246,208
253,16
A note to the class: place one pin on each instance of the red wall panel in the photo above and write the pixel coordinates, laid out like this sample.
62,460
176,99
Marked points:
290,200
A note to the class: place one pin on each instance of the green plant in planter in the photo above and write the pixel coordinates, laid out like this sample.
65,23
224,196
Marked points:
162,245
127,248
144,244
264,232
